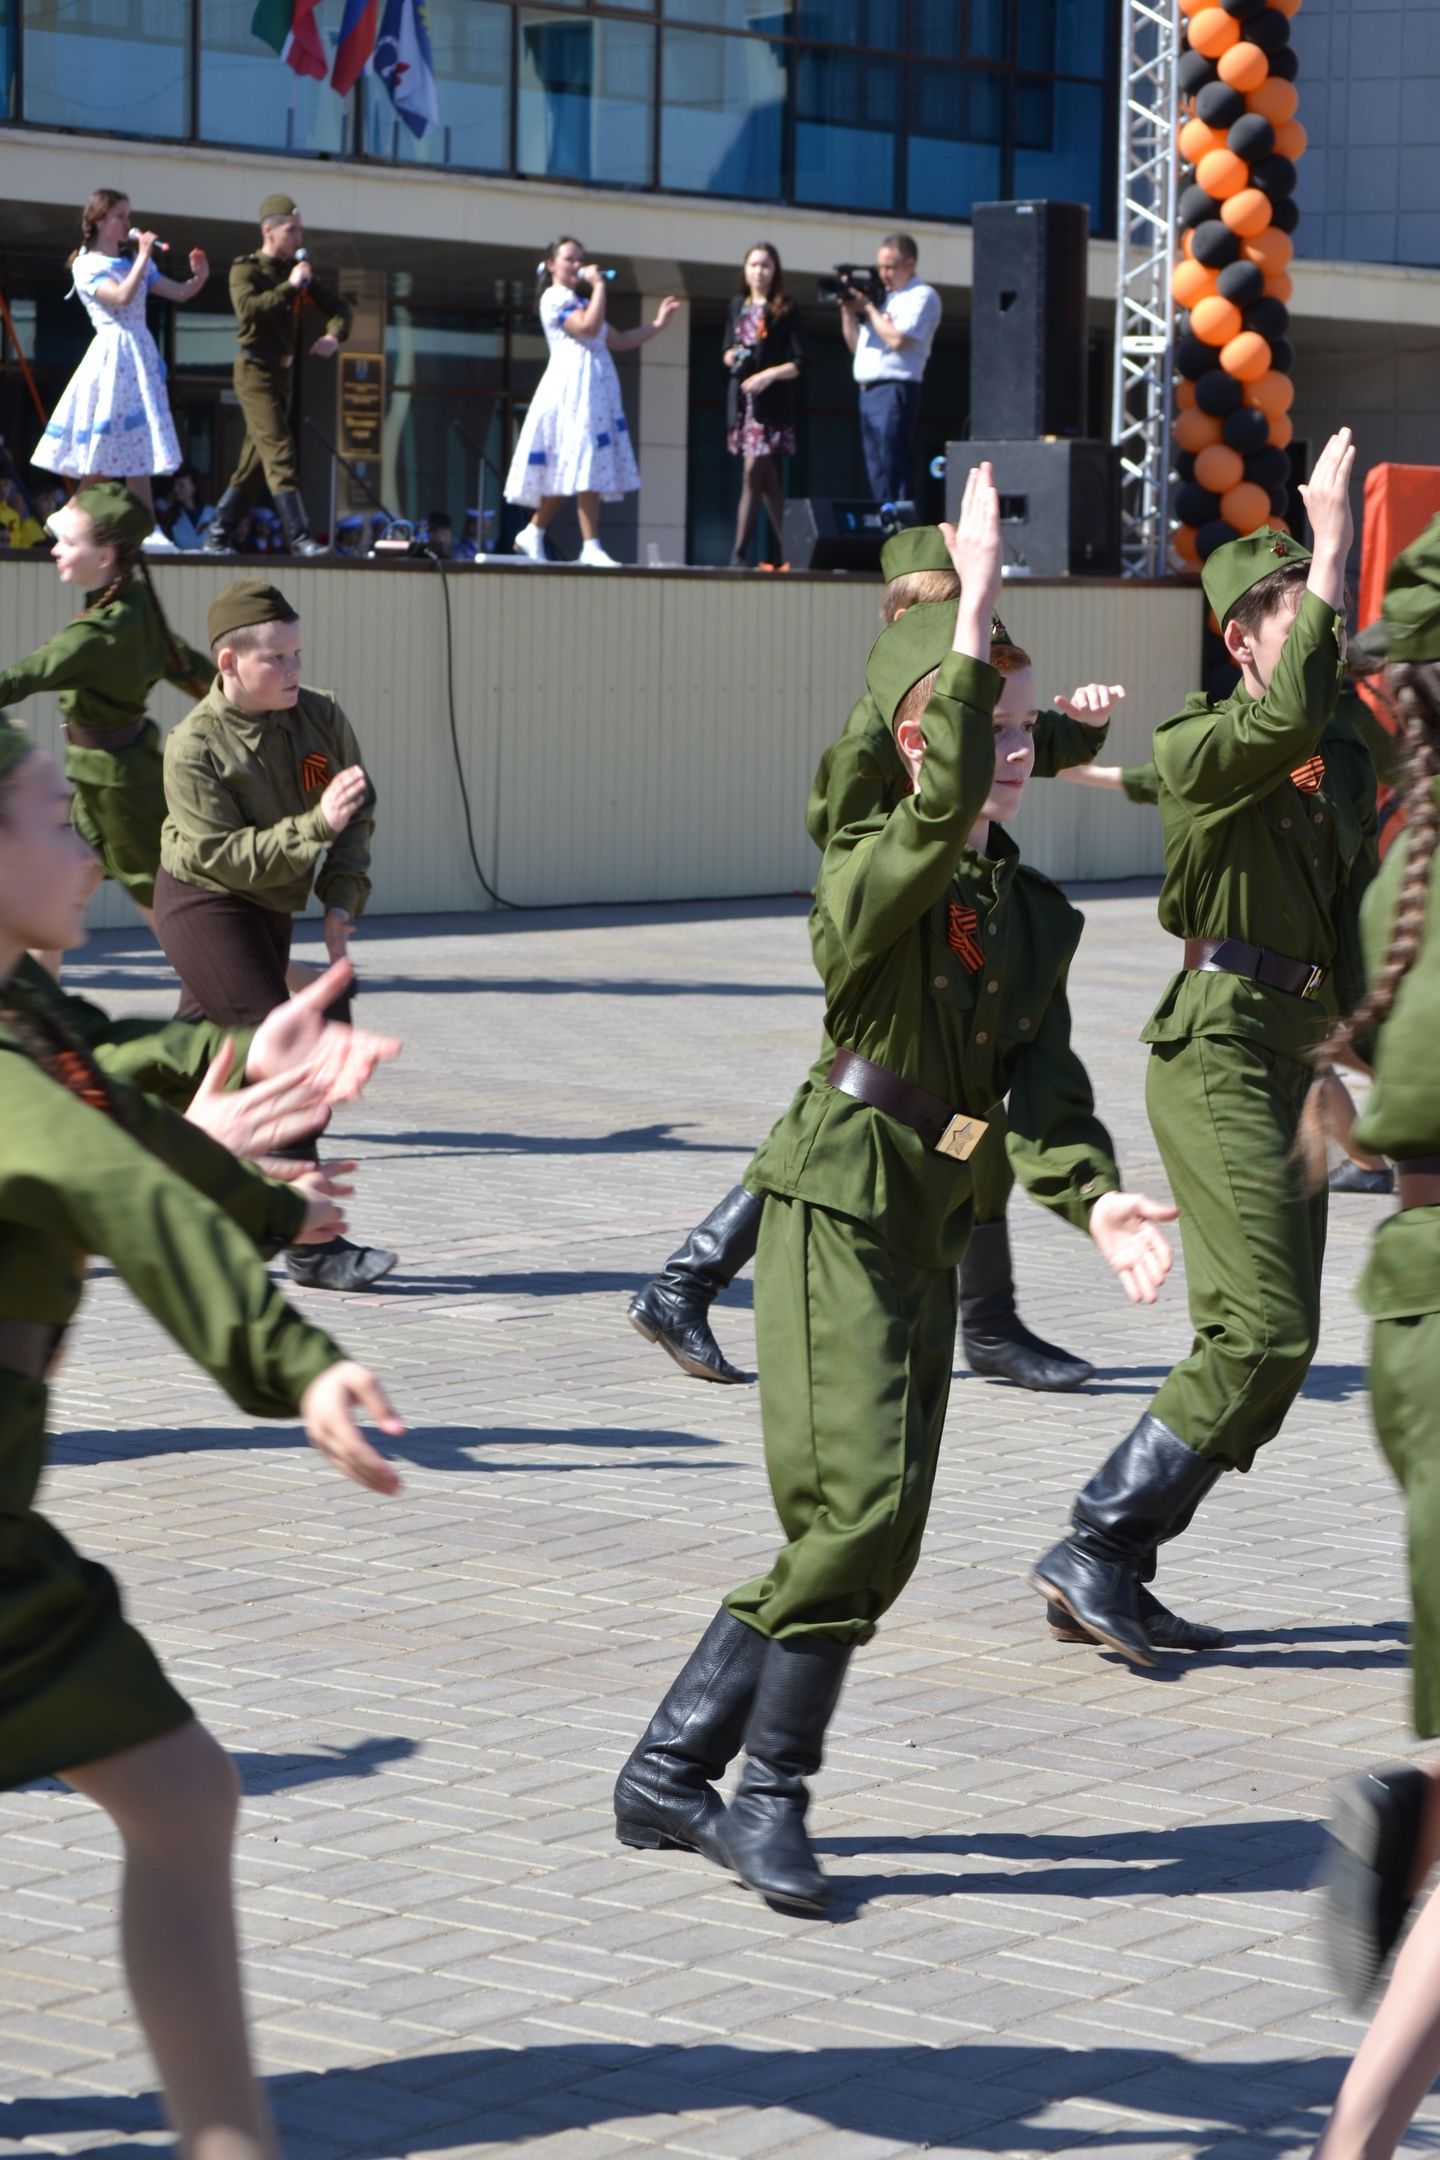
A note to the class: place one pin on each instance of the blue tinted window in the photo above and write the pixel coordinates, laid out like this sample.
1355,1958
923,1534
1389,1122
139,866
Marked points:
953,30
722,115
586,98
1035,33
954,146
122,69
770,18
470,42
846,111
851,22
1062,145
247,95
1085,38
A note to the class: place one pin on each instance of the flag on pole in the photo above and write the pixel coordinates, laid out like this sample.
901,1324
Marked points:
357,43
403,63
290,26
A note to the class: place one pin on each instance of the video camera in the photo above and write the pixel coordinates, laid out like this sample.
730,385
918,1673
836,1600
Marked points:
851,278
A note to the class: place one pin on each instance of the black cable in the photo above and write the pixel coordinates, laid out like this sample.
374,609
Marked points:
486,886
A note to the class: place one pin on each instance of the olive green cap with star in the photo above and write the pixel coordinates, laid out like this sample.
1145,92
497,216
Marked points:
1232,570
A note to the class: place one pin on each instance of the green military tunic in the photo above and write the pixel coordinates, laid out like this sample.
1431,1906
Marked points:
864,1224
164,1058
233,781
1268,809
103,666
180,1221
275,321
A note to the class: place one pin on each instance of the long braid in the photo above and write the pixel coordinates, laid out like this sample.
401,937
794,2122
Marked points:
49,1042
178,661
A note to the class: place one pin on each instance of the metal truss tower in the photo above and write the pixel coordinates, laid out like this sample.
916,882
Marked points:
1144,313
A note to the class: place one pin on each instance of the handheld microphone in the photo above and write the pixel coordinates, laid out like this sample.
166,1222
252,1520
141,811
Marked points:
607,275
302,254
162,247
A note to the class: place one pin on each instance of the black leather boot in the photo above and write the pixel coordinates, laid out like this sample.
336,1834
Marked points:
665,1795
763,1833
220,532
673,1308
998,1345
1165,1629
1375,1832
296,526
1353,1177
1146,1493
338,1265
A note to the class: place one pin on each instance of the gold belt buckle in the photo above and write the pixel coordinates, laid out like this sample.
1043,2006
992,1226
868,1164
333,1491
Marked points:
1313,980
961,1137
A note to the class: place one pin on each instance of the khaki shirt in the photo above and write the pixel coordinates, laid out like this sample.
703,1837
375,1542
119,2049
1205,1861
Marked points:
106,662
275,319
243,791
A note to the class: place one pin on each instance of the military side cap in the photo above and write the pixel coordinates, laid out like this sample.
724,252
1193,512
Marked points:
1411,615
116,514
918,547
1231,571
239,606
902,655
14,742
277,206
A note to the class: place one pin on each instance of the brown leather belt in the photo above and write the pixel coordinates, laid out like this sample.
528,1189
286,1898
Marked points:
104,738
27,1347
1417,1180
885,1090
1232,956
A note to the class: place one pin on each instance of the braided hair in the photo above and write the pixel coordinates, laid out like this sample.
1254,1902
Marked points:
129,561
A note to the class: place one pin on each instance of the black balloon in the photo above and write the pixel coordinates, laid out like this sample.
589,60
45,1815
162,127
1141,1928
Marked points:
1269,467
1242,283
1270,317
1274,176
1218,105
1194,72
1185,464
1285,214
1242,10
1280,502
1196,207
1212,536
1282,356
1268,29
1214,245
1285,64
1195,505
1218,393
1246,429
1252,138
1192,358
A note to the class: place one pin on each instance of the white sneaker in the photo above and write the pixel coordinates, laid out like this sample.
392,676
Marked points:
530,541
594,557
159,543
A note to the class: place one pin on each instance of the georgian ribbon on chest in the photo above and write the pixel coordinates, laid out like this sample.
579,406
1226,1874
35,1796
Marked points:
1307,777
960,936
314,770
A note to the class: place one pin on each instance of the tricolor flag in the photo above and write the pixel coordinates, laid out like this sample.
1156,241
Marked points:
357,42
289,25
404,65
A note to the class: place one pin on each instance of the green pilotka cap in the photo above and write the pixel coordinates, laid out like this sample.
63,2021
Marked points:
917,548
1410,618
902,655
277,206
14,743
1231,571
116,514
243,603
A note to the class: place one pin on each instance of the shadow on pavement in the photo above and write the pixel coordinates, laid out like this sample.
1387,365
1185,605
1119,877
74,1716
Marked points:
272,1771
631,1140
439,1447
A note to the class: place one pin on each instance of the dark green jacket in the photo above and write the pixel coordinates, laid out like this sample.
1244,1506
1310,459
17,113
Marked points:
893,945
105,664
164,1058
274,319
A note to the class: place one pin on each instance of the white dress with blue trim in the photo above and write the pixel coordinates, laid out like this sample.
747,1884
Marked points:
113,416
574,436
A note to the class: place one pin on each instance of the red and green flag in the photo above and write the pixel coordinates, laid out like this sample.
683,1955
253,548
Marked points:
290,27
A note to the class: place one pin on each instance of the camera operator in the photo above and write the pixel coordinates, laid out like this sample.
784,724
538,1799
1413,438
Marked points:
891,343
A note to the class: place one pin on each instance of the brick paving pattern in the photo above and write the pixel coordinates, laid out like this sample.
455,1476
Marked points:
1073,1911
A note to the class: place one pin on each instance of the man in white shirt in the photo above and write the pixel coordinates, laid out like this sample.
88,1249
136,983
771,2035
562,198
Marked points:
891,345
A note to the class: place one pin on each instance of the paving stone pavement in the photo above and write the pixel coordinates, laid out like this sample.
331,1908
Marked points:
1073,1909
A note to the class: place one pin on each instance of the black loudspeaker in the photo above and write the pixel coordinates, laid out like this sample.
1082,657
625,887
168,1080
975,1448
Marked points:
818,533
1028,344
1059,503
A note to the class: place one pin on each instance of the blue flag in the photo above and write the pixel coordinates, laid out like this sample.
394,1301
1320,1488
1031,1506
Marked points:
403,63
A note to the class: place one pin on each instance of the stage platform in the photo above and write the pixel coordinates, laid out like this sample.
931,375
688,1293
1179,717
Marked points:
637,735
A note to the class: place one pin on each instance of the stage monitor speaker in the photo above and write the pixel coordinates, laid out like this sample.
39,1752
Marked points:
1059,503
819,533
1028,341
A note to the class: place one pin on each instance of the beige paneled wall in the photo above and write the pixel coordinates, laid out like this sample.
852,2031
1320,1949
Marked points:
640,735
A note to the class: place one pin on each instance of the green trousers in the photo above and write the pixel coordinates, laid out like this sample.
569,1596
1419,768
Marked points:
855,1349
1225,1112
1401,1289
119,808
266,393
992,1178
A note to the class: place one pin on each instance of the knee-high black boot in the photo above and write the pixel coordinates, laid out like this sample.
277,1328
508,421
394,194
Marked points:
763,1832
665,1795
220,532
1146,1493
673,1308
998,1345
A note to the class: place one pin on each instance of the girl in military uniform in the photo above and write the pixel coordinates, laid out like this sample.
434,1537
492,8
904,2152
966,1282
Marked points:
945,962
104,666
89,1166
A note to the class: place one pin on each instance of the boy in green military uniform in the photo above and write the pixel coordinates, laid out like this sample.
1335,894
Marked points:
103,666
270,291
267,798
868,1206
1268,807
861,776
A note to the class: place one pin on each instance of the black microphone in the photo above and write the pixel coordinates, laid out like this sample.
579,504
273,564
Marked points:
162,247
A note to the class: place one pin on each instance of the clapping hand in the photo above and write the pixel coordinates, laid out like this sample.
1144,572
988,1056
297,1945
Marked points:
273,1112
1092,702
341,1059
1123,1227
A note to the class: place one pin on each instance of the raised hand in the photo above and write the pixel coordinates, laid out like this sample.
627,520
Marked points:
199,265
668,307
271,1113
1326,496
328,1407
343,797
1092,702
1123,1227
974,546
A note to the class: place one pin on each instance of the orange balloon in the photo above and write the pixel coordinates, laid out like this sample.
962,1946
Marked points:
1279,285
1276,100
1187,245
1194,7
1213,32
1241,65
1290,139
1191,282
1219,468
1246,505
1183,542
1286,7
1221,173
1184,395
1246,357
1282,430
1248,212
1194,430
1197,141
1271,249
1215,320
1281,524
1272,394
